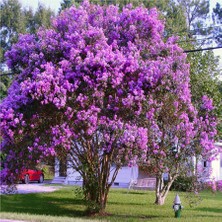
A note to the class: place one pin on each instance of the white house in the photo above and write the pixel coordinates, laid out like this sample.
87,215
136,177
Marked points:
215,167
127,175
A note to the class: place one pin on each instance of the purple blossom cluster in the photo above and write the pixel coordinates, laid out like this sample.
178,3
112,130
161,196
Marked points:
207,103
99,72
214,186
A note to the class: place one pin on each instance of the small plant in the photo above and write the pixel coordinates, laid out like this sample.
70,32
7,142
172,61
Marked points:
193,199
191,185
78,192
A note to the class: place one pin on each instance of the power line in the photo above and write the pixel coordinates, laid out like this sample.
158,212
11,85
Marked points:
204,49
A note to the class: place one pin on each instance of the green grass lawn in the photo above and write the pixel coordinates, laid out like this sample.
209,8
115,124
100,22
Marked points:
135,206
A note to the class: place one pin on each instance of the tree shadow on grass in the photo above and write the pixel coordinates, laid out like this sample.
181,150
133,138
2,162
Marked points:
43,205
212,210
124,203
55,205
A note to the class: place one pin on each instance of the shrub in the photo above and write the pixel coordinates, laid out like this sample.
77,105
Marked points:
183,183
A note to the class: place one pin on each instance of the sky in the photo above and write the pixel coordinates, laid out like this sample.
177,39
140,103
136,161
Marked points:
55,5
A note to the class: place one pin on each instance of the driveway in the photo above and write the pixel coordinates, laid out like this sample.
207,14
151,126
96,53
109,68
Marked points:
6,220
35,188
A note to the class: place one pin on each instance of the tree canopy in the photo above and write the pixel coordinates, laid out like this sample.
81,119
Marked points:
14,21
104,87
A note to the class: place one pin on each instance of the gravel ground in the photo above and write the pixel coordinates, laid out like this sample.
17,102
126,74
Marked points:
34,188
6,220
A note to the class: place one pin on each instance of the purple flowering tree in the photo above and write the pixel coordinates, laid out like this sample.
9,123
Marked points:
205,150
102,87
179,137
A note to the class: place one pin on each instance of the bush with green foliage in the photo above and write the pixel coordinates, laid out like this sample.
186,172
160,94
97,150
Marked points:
183,183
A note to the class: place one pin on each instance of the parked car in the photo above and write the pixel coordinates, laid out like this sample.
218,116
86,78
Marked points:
32,175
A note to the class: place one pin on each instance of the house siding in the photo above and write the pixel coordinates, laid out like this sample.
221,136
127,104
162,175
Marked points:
127,174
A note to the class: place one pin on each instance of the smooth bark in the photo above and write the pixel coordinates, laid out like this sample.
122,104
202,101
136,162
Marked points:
162,189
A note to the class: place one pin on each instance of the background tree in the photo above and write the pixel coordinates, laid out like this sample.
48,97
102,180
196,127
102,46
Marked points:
68,3
12,23
34,20
5,82
217,18
196,12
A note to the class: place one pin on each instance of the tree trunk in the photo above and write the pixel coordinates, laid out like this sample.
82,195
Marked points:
159,195
95,201
96,186
160,200
162,189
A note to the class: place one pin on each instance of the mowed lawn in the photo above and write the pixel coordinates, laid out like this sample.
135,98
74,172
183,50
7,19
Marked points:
123,205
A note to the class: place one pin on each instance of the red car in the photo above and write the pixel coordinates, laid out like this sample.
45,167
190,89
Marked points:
32,175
